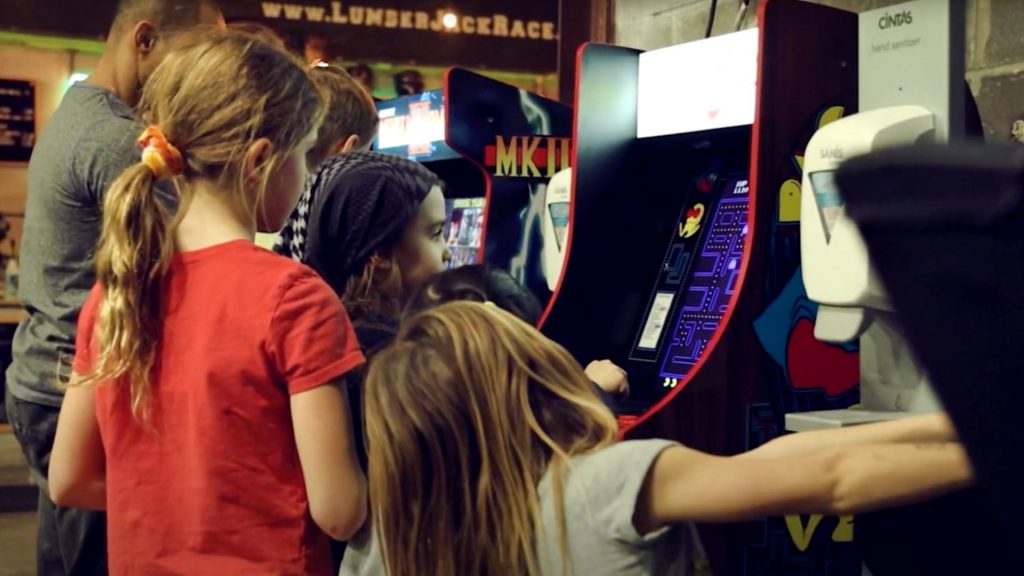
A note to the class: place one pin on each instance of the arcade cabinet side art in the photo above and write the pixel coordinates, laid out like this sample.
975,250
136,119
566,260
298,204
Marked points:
808,374
520,140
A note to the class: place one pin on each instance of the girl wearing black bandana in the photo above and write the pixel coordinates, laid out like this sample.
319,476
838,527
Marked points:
371,225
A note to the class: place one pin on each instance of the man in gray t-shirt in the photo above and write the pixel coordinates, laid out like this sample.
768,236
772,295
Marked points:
83,148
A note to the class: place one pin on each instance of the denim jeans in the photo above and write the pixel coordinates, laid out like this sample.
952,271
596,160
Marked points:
70,542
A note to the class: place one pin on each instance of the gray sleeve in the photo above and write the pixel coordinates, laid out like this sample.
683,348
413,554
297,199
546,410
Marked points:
106,149
614,479
363,554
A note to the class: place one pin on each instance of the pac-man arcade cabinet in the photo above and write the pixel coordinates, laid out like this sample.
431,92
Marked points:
683,253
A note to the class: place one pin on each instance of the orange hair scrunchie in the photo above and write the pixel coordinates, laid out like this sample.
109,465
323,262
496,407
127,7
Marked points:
159,155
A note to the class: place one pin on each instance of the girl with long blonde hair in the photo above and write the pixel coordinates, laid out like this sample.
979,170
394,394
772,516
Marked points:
490,453
205,413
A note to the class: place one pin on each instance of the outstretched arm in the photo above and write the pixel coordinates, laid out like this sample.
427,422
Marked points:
913,429
687,485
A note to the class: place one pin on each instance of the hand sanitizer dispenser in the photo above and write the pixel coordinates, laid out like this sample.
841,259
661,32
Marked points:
556,226
838,275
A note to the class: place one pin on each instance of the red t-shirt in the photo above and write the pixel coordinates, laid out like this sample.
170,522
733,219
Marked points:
212,483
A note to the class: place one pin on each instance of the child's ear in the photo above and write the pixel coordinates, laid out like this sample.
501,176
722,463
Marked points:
256,157
348,144
144,36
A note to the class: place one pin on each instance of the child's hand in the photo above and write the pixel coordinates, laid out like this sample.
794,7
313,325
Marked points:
609,377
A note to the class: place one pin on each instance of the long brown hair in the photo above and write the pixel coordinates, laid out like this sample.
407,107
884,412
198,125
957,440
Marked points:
211,100
465,413
374,296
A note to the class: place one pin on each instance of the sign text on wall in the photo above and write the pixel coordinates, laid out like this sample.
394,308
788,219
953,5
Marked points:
342,14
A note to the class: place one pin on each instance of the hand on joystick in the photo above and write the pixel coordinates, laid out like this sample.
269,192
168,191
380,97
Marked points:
608,377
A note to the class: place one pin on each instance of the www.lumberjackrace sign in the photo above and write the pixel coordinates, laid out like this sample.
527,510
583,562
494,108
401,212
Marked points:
509,35
354,15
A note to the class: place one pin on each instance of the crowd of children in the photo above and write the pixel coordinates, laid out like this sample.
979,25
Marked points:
219,409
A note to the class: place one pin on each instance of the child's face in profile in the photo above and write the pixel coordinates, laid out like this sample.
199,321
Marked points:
285,187
423,251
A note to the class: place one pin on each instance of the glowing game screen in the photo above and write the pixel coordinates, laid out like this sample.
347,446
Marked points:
464,230
413,127
669,103
697,279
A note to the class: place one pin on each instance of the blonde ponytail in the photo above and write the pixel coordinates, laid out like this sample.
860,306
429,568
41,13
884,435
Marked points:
132,259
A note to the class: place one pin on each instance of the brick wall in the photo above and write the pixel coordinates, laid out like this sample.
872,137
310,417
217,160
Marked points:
995,44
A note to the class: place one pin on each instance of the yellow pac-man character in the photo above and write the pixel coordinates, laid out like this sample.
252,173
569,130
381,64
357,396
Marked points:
694,217
830,115
789,201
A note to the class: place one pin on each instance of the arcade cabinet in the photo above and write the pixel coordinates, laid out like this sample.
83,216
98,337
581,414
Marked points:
496,147
683,254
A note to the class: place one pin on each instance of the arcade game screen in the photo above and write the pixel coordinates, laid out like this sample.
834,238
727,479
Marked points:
464,229
696,281
413,127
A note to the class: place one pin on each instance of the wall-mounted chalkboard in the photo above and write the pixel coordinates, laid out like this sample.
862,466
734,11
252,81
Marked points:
17,120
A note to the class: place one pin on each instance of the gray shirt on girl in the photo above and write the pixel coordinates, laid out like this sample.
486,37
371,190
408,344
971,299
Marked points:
600,499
